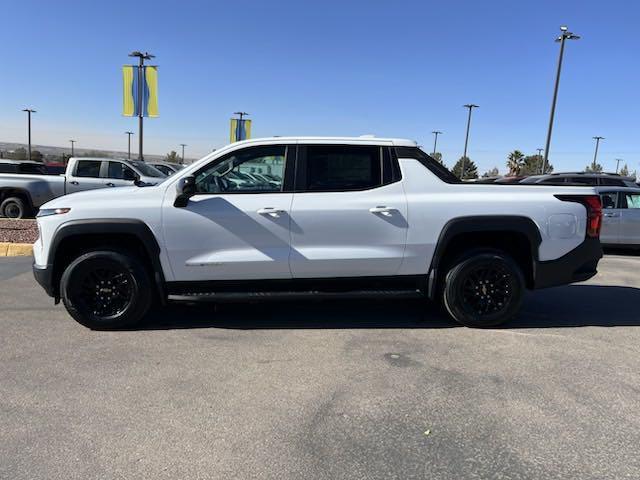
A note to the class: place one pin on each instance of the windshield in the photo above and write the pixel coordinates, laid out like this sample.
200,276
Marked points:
147,170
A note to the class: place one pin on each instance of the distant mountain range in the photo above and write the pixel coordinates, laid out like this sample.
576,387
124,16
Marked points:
49,151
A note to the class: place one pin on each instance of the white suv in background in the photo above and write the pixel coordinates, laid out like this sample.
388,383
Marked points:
339,217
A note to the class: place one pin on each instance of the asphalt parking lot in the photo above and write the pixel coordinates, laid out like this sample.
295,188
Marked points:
349,390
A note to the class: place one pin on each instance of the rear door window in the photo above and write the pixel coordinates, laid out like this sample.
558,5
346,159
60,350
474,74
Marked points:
88,168
119,171
609,200
331,168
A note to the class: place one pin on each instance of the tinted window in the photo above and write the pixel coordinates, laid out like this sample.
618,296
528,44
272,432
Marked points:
88,168
164,169
120,171
609,200
553,181
7,168
147,170
611,182
242,171
32,168
339,168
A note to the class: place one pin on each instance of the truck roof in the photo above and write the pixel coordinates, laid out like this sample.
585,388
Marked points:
363,139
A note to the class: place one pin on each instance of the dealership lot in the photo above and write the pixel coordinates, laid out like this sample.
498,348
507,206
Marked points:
388,389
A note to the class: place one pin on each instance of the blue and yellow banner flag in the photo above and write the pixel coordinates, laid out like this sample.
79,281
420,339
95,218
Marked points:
240,130
136,99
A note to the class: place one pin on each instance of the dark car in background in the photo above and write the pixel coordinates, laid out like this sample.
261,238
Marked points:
24,167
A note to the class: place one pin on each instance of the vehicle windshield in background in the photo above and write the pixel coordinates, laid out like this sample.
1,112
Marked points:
147,170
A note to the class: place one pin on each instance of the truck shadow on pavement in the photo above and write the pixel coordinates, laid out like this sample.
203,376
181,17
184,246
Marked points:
570,306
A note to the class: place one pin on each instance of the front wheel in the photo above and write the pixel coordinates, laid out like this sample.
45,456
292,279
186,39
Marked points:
484,289
106,289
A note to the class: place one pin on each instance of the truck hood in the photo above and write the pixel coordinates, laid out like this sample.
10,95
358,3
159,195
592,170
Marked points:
92,196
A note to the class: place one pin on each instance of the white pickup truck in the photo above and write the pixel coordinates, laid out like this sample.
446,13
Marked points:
22,194
343,217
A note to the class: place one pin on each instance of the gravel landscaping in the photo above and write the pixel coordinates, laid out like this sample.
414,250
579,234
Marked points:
18,231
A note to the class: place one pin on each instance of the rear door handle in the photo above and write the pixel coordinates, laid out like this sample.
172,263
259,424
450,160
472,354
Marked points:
382,210
109,184
73,182
611,215
272,212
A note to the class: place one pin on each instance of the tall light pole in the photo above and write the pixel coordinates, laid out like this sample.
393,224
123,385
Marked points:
141,57
72,143
565,35
470,106
239,127
29,112
597,138
183,145
129,144
618,160
435,140
539,150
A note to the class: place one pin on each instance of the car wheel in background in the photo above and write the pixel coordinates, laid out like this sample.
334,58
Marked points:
13,207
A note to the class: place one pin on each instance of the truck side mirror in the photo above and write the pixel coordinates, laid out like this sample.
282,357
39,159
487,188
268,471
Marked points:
185,189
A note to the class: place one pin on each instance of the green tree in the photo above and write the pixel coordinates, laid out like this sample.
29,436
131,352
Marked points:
470,169
18,154
494,172
173,157
515,162
624,171
593,168
437,156
36,155
532,165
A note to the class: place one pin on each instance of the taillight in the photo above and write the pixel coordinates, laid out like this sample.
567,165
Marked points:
594,211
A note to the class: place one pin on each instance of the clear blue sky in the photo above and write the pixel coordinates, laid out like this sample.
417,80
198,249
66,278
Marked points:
330,68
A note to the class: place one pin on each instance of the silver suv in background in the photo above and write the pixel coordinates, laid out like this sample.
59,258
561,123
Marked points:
582,178
621,218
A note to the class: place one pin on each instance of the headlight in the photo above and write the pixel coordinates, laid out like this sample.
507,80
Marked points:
45,212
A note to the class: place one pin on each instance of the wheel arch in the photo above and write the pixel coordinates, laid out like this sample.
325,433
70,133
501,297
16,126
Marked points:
511,233
77,236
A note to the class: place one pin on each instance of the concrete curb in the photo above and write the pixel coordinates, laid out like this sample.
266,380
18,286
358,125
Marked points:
16,249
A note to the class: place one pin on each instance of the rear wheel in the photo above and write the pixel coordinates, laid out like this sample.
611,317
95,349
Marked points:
484,289
106,289
13,207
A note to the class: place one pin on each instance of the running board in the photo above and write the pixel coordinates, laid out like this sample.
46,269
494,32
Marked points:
295,295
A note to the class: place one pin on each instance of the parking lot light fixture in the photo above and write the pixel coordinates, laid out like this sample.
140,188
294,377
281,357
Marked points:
597,138
183,145
435,140
565,35
72,144
129,144
29,112
470,106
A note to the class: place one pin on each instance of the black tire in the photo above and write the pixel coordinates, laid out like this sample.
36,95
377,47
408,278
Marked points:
14,207
483,289
106,289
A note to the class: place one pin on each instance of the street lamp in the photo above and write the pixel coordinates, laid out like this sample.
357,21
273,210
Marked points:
470,106
565,35
141,57
435,140
595,154
618,160
72,142
29,112
129,144
183,145
539,150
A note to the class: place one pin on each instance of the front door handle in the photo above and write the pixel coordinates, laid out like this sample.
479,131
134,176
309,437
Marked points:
611,215
110,184
382,210
272,212
73,182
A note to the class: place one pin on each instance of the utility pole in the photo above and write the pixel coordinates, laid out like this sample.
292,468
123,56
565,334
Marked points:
618,160
435,140
597,138
239,126
565,35
141,58
72,143
129,144
183,145
539,150
29,112
470,106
